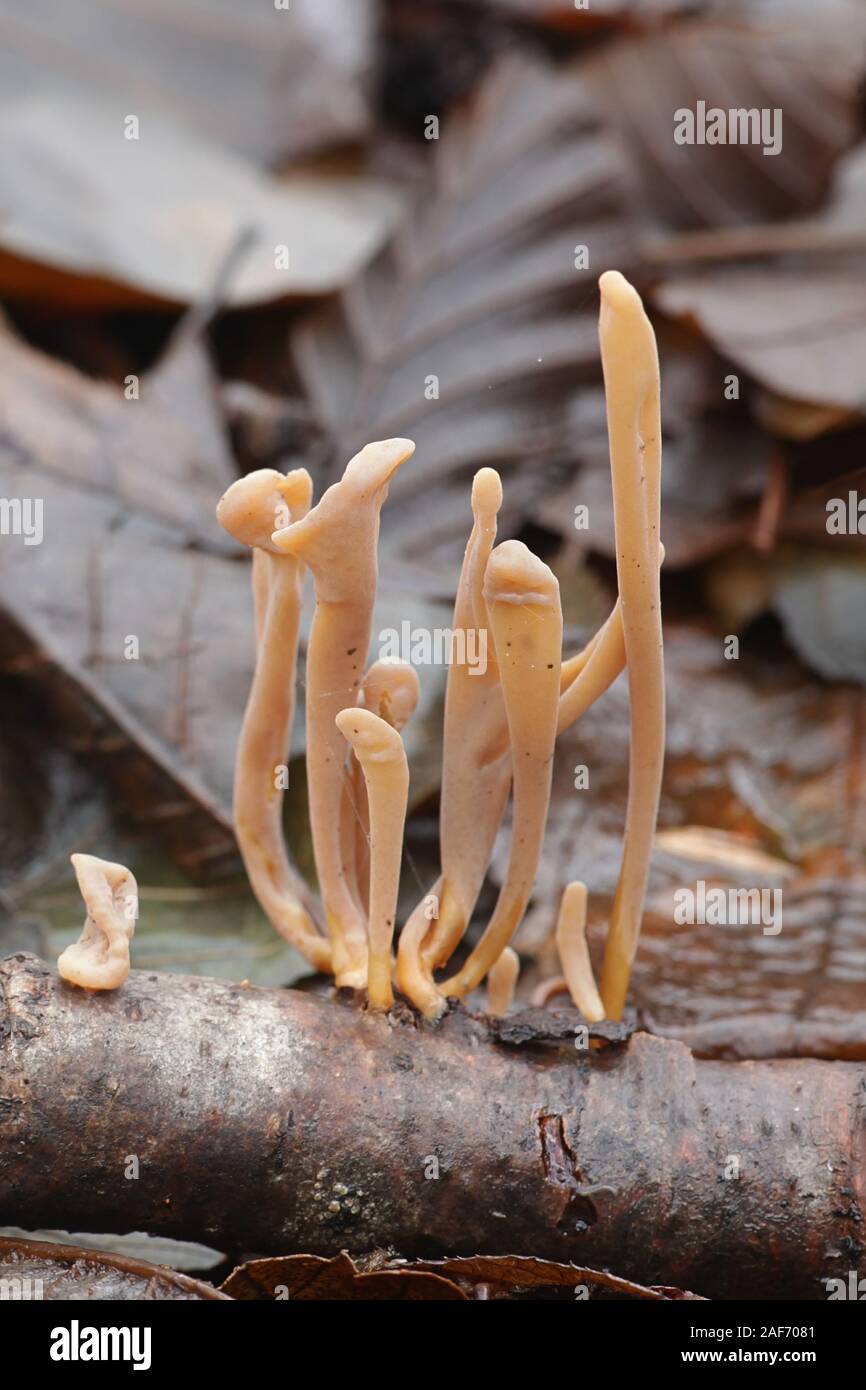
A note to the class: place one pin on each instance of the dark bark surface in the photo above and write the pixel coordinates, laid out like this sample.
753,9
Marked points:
275,1121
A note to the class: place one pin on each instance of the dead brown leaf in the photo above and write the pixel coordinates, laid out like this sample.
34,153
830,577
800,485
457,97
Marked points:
70,1272
473,330
508,1273
807,65
96,219
131,550
715,465
799,334
785,303
297,83
308,1278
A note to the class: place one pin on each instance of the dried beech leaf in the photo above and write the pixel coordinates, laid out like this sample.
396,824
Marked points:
130,549
525,1272
799,334
50,802
564,14
570,16
722,448
792,320
312,1277
717,464
473,331
820,601
807,65
159,462
473,328
69,1272
95,219
179,1255
816,593
796,332
296,75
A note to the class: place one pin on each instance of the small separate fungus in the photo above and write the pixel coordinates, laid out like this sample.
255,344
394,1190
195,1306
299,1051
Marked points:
249,510
338,540
100,957
379,749
574,953
631,382
502,982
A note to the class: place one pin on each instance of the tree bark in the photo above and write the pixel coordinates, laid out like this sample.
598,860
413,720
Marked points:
274,1121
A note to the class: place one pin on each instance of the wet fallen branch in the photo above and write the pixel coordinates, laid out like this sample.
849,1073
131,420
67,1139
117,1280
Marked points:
276,1121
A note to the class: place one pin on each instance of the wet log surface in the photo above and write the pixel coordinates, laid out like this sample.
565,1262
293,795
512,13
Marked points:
275,1121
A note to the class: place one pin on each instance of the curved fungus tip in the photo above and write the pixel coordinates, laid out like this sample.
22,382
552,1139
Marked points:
617,293
371,738
377,463
292,539
250,509
515,575
364,478
486,494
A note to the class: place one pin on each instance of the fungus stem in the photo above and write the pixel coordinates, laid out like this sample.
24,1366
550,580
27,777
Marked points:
502,982
574,953
249,510
631,379
379,749
338,540
473,795
525,616
390,689
587,676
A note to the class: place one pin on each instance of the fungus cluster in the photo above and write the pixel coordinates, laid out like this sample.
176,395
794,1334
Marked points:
500,724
